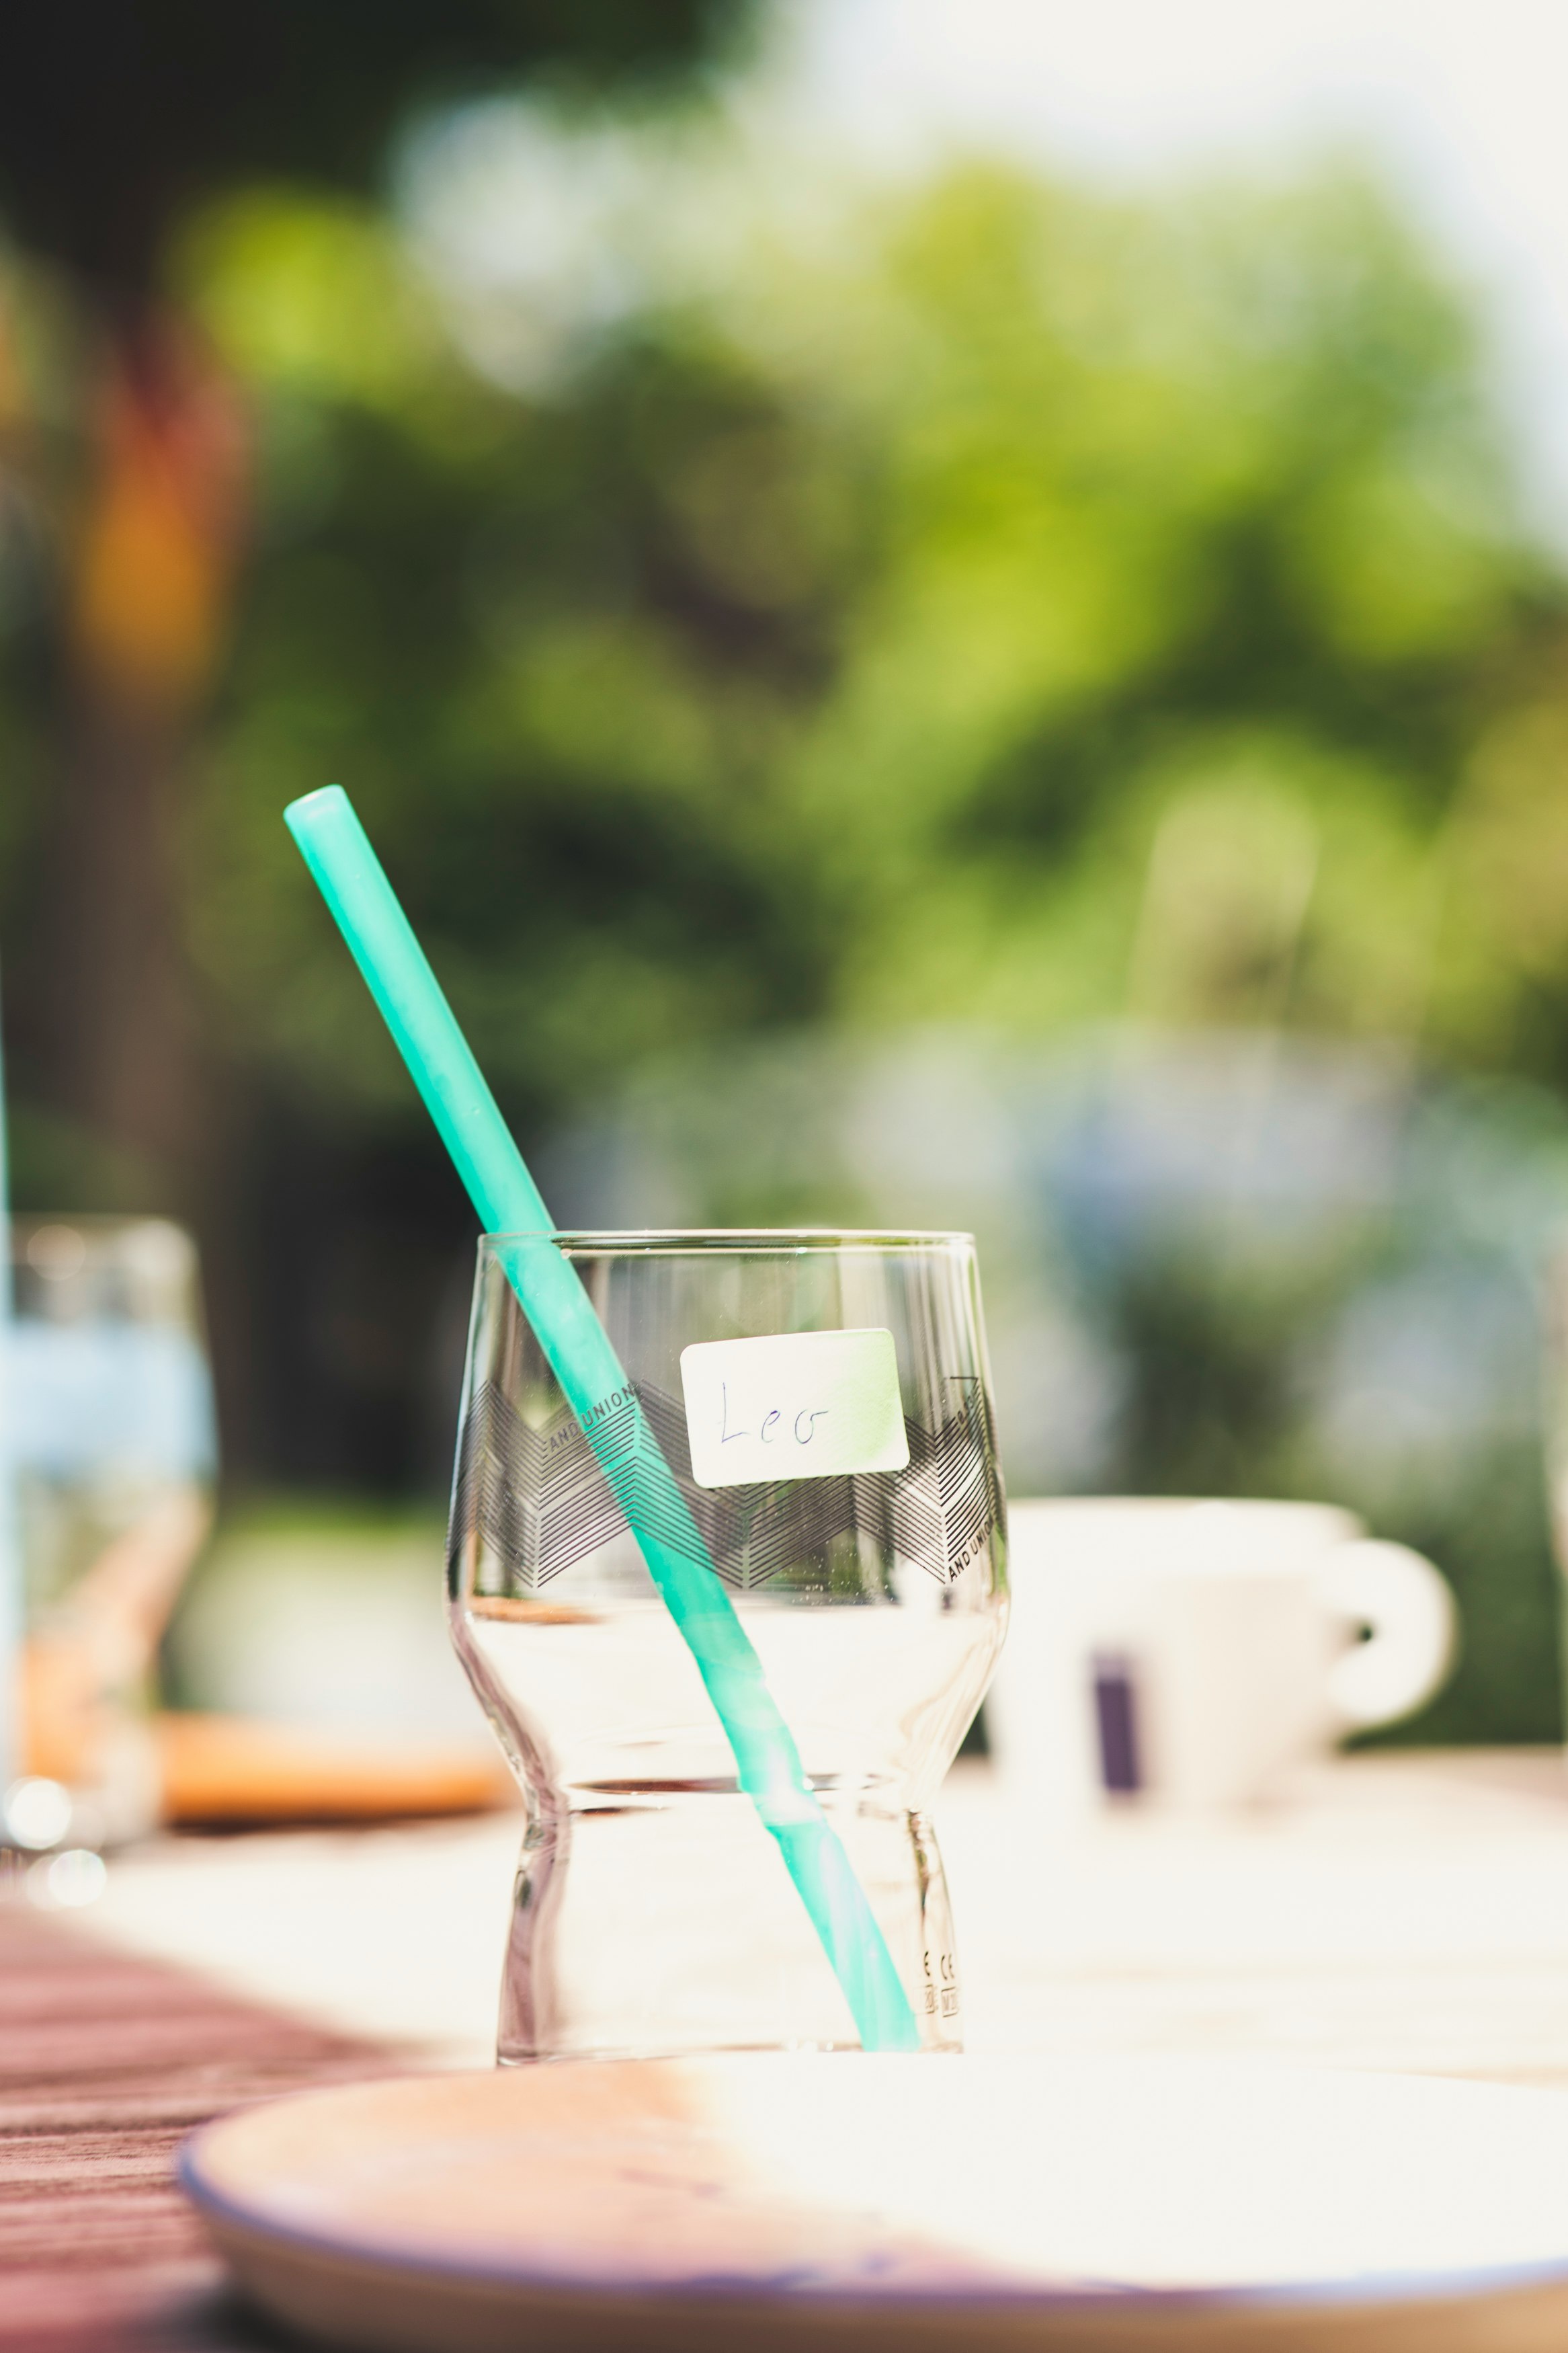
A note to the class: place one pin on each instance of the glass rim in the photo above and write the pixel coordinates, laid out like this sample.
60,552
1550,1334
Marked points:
755,1239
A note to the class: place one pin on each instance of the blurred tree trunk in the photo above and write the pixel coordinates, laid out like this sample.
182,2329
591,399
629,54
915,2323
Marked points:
150,573
119,1020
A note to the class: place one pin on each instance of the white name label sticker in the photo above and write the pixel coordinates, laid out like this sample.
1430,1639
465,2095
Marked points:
799,1405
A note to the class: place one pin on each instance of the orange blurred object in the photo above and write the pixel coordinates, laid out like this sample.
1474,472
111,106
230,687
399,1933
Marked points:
231,1771
161,532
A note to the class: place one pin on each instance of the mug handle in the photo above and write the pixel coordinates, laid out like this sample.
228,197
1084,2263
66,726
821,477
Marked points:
1414,1631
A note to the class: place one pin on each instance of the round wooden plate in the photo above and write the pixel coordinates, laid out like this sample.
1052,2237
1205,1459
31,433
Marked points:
790,2204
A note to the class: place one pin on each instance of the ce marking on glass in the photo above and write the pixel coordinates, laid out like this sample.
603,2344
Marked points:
941,1987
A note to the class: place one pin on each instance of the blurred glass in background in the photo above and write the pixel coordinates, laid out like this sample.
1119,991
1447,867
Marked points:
114,1450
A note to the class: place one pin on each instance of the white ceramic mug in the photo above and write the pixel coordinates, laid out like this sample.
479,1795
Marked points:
1193,1652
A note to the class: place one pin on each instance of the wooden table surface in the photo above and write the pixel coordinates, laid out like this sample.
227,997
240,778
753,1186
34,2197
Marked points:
1391,1912
105,2061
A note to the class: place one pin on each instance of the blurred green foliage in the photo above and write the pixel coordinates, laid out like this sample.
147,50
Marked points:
977,602
1023,608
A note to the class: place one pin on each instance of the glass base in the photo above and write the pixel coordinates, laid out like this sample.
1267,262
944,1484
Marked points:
650,1922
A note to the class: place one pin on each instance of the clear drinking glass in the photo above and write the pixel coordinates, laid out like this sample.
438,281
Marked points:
113,1450
652,1911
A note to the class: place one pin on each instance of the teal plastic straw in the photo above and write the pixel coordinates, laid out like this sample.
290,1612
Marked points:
338,852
